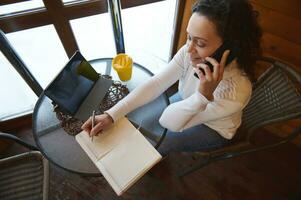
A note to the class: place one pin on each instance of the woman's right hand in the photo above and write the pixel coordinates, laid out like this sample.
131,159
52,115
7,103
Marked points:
210,80
102,122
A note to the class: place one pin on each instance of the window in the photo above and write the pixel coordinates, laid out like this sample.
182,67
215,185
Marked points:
17,98
148,31
94,36
41,50
45,38
21,6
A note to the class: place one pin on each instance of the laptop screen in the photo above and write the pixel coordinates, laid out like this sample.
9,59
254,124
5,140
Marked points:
72,85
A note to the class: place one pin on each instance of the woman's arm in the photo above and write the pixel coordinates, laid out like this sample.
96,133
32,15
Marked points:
141,95
151,89
188,117
230,97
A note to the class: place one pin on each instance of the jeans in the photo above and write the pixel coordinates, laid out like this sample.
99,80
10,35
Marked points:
196,138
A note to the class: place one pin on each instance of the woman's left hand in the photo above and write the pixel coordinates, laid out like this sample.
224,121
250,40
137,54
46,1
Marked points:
210,80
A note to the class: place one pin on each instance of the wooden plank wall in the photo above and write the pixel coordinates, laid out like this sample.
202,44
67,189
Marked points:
281,23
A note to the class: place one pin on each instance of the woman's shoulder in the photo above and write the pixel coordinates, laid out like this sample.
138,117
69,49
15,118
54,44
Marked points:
243,84
238,88
236,77
243,89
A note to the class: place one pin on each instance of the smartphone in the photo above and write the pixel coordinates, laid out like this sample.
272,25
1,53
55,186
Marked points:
218,54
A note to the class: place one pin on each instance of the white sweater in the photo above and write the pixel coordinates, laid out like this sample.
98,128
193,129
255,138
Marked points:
223,114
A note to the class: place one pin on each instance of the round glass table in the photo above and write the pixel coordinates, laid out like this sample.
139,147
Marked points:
62,149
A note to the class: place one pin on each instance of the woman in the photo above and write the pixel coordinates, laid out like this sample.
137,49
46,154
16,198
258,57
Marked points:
208,106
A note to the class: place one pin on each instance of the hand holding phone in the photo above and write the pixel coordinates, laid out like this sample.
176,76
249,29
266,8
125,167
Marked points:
210,81
217,55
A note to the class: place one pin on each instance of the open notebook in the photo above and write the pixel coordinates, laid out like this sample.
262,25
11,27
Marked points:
121,153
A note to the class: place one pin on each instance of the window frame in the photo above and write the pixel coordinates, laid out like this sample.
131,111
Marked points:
59,14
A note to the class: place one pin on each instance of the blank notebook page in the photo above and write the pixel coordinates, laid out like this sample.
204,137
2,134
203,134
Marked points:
133,166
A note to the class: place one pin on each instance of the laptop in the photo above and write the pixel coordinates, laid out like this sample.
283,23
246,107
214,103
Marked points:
78,89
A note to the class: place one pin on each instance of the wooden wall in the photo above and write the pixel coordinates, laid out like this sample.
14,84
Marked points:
281,23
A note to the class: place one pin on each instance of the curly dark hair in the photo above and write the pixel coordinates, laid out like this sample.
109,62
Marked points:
236,23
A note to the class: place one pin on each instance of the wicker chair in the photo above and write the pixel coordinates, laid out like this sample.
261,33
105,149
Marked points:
23,176
275,98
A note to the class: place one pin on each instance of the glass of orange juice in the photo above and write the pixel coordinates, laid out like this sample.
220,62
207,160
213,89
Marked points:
123,64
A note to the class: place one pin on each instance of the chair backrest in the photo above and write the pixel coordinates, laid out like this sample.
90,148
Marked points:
275,97
24,176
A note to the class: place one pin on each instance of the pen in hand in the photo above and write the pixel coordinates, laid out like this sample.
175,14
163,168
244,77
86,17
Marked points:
93,122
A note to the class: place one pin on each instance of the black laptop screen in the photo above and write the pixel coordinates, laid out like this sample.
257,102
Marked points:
72,85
